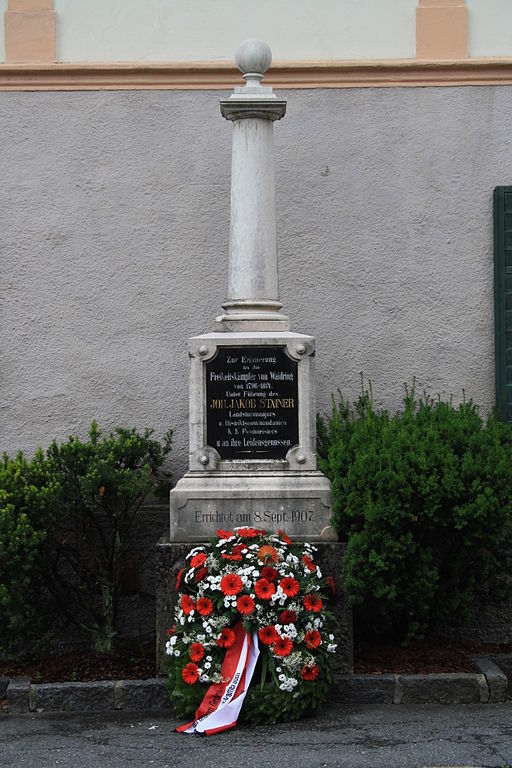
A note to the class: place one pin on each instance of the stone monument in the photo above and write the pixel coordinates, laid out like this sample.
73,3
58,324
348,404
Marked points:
252,391
252,414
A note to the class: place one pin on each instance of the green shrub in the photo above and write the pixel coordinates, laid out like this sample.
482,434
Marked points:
67,522
424,500
25,517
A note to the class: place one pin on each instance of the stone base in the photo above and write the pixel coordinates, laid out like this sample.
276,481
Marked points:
297,502
170,559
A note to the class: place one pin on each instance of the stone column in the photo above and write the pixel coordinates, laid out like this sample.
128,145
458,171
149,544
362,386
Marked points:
253,292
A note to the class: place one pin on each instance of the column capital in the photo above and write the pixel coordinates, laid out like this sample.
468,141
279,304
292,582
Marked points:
253,58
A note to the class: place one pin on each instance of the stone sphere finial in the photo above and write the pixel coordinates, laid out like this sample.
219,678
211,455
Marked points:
253,58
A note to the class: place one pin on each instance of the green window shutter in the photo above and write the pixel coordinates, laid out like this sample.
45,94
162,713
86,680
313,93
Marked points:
503,299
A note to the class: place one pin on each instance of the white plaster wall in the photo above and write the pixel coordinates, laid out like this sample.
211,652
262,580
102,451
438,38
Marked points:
489,27
114,222
202,30
3,8
198,30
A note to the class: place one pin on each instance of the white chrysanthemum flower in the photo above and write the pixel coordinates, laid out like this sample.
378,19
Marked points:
331,648
194,551
207,665
282,678
177,652
331,637
318,623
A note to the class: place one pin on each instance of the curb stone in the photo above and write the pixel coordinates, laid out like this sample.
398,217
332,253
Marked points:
488,685
496,679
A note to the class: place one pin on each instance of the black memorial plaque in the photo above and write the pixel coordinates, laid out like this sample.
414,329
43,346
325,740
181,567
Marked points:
252,408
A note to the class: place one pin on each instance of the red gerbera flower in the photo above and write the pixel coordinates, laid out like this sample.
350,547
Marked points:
313,603
268,635
178,579
264,589
288,617
330,583
290,586
269,573
190,673
196,651
222,534
198,560
283,646
226,638
284,537
245,604
313,638
204,606
310,672
308,563
200,574
231,584
225,556
247,533
239,549
187,605
171,630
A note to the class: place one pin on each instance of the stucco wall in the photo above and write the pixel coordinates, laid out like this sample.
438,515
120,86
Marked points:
114,212
188,30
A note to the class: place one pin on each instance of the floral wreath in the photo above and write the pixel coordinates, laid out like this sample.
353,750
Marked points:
259,580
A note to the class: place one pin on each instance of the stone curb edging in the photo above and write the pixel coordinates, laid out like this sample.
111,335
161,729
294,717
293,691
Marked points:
488,685
99,696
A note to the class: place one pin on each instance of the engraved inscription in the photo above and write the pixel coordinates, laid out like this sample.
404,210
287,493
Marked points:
252,403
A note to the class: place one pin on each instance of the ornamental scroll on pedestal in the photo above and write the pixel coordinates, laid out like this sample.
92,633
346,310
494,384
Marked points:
252,393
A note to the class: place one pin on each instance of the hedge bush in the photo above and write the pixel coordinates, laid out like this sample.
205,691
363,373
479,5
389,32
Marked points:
423,498
67,520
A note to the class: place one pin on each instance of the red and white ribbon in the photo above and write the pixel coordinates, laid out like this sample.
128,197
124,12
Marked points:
222,703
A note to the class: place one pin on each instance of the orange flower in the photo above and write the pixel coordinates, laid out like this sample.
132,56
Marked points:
231,584
187,605
226,638
190,673
267,554
313,639
308,563
198,560
204,606
225,556
310,672
196,651
264,589
268,635
290,586
313,603
245,604
283,646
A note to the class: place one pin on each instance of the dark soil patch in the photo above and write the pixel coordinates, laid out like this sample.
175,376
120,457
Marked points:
135,662
138,661
429,657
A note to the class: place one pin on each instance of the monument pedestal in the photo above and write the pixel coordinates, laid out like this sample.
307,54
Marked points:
252,439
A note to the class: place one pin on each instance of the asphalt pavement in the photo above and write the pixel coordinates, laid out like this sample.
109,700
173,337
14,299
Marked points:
348,736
